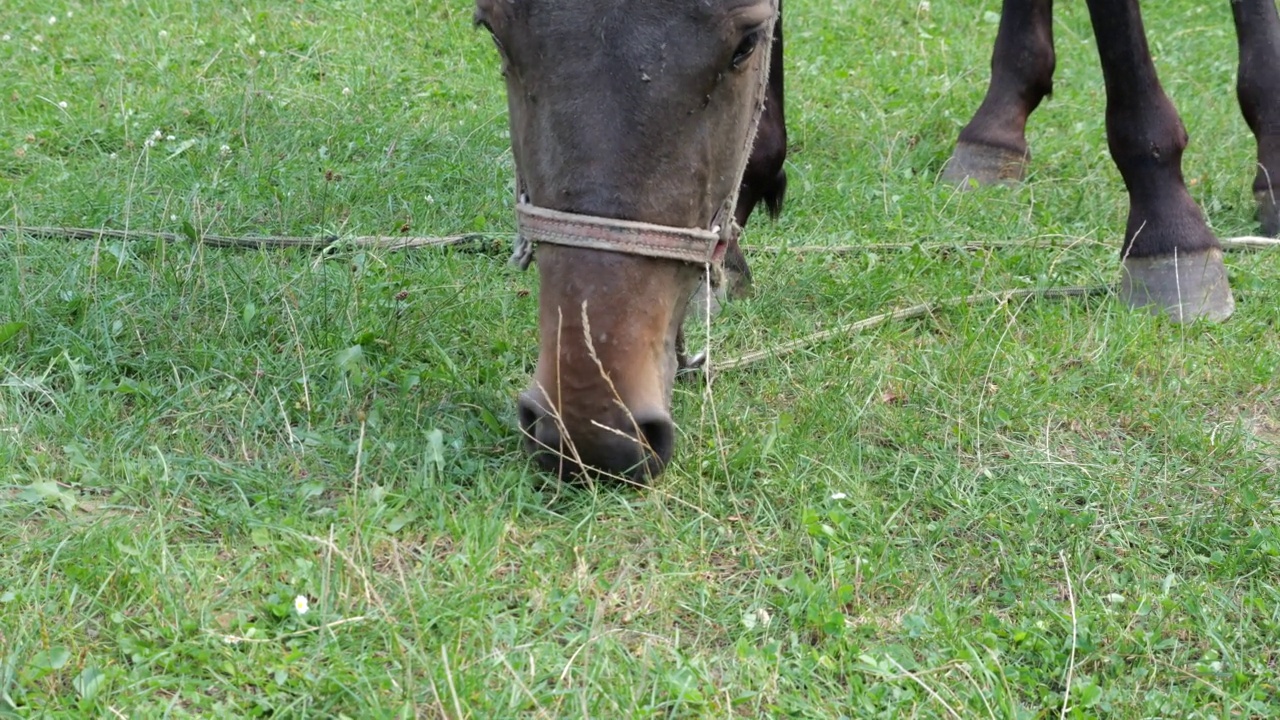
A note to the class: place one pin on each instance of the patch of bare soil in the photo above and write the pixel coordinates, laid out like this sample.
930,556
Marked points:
1263,423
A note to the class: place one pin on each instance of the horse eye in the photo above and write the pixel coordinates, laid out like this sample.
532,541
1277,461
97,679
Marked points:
745,48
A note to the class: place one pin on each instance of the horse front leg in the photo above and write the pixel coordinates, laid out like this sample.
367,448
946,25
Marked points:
992,148
1258,88
1172,260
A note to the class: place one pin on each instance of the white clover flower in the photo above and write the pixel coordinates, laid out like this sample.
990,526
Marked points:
53,19
63,104
225,150
164,34
759,617
149,142
170,138
301,605
838,496
924,5
112,156
157,135
174,218
346,91
68,13
6,37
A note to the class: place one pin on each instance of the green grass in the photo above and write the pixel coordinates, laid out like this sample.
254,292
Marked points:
940,518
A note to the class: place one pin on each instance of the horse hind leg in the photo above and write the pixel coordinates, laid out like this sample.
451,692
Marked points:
992,148
1258,89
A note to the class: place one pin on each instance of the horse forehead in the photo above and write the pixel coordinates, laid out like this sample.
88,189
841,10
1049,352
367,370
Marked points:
587,8
592,38
598,17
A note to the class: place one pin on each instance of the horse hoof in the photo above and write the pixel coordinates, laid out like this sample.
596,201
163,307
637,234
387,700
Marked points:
738,285
687,365
737,276
1187,287
704,306
1268,212
985,164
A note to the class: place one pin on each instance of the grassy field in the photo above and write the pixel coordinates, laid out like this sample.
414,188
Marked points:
1034,510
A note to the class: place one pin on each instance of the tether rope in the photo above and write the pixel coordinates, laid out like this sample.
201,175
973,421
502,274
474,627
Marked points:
498,240
908,313
406,242
259,242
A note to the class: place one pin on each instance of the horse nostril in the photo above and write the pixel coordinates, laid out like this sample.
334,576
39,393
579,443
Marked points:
658,434
640,452
530,416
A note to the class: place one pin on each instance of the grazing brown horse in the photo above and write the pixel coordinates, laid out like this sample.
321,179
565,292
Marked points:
631,125
1172,260
631,122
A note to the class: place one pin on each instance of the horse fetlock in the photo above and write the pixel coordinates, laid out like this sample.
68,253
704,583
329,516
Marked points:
1266,182
1268,212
